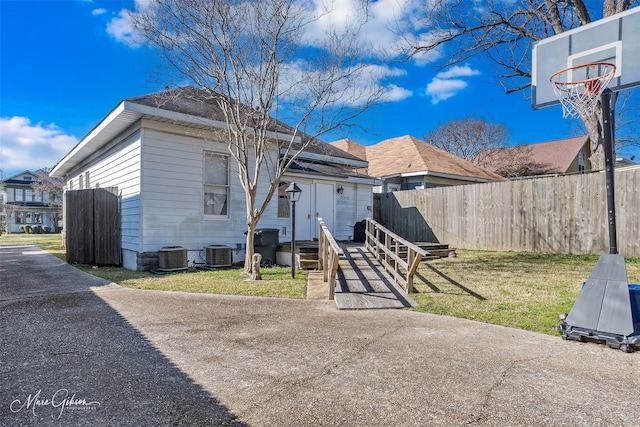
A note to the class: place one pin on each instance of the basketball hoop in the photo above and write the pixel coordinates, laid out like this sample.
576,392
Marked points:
579,95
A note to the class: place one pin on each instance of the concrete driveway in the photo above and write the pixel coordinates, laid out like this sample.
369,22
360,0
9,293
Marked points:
76,350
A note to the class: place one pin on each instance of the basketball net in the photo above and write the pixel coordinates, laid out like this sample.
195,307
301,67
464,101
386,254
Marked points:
579,98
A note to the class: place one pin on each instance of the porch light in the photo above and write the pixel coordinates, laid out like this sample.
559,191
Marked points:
294,195
293,191
340,190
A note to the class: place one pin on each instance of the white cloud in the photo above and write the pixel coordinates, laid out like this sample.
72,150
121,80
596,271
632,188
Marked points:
394,93
359,87
27,146
97,12
337,16
458,71
121,26
377,22
442,89
447,84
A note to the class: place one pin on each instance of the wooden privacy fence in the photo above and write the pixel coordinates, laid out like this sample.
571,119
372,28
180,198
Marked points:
92,226
329,254
397,255
564,214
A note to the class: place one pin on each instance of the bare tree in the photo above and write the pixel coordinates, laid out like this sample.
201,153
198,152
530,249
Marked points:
504,32
514,162
263,60
54,189
468,138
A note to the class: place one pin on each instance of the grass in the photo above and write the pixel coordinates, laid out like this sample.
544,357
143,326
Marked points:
277,281
31,239
51,243
520,290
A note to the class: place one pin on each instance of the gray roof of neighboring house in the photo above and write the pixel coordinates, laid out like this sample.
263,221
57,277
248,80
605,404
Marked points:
191,107
17,179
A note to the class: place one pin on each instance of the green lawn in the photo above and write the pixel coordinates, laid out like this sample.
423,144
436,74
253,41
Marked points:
277,281
31,239
521,290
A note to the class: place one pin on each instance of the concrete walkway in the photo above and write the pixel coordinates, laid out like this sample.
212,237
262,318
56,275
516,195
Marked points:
149,358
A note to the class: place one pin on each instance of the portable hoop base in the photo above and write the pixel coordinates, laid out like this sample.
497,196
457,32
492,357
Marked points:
605,311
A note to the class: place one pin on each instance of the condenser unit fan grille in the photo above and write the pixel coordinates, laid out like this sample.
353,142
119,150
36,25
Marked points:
172,258
218,256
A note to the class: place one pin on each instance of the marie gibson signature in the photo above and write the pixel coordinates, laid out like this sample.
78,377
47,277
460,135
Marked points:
60,400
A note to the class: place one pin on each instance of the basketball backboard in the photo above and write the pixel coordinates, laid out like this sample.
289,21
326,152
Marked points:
615,39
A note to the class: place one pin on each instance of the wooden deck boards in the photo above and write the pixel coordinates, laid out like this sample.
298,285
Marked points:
362,283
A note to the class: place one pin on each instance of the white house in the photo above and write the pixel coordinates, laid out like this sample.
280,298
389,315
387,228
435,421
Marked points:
178,184
22,209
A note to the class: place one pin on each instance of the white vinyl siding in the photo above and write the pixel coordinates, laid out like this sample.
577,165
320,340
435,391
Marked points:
159,170
173,193
119,166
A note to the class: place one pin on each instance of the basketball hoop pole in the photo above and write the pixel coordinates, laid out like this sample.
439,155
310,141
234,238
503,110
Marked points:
607,125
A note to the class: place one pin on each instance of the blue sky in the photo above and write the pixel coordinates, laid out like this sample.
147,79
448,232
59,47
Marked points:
65,64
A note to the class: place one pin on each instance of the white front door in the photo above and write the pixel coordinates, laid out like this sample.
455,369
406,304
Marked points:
325,203
305,221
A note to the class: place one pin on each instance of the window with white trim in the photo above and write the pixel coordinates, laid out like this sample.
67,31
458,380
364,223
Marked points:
216,184
582,162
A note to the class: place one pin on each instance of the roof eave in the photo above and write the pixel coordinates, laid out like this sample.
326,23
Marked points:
439,175
114,121
119,119
324,158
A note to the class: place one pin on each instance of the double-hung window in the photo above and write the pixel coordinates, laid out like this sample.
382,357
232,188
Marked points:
216,183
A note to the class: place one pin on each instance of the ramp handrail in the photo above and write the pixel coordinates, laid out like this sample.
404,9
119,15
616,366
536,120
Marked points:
386,247
329,254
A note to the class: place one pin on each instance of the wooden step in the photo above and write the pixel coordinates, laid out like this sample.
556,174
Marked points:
305,264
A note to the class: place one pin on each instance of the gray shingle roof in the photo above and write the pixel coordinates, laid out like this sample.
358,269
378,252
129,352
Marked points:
202,103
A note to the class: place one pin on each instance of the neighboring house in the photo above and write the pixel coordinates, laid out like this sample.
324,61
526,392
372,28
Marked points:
407,163
22,206
559,157
179,185
621,162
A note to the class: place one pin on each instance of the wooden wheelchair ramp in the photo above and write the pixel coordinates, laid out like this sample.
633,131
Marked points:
362,283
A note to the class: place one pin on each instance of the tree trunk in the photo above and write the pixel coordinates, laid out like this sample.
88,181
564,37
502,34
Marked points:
249,249
594,128
596,135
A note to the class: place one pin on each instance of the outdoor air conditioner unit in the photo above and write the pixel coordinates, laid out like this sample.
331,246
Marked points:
172,258
218,256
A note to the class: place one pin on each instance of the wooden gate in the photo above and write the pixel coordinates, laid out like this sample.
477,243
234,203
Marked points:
93,226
